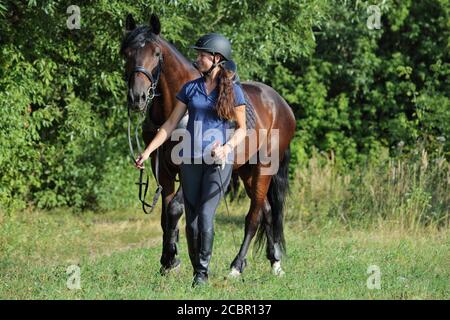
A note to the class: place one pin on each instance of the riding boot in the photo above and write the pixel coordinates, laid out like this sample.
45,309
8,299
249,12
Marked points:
200,279
202,270
193,249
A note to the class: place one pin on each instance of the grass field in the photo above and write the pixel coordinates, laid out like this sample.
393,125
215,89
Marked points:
338,227
118,256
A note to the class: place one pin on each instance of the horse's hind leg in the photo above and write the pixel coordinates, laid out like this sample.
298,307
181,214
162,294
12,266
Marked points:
257,190
173,211
273,250
233,187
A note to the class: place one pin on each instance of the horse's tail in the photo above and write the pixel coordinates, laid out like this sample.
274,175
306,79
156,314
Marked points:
276,195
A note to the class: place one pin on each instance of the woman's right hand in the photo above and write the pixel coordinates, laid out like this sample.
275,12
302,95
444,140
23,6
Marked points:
163,133
139,162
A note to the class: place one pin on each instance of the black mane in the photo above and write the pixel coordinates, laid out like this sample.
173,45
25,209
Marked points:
137,38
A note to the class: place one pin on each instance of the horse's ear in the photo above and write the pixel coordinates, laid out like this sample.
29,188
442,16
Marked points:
130,23
155,24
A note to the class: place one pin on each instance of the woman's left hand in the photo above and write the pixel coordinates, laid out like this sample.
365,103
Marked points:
220,152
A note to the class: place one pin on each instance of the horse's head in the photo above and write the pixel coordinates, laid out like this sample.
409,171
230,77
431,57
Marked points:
143,56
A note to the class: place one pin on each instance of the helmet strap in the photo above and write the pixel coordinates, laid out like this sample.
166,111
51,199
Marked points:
208,72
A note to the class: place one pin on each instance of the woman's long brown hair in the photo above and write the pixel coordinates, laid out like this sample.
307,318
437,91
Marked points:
225,101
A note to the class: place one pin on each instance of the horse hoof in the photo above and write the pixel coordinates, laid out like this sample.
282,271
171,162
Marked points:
234,273
276,269
172,269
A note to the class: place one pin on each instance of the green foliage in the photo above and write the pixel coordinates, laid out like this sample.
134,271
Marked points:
355,91
364,90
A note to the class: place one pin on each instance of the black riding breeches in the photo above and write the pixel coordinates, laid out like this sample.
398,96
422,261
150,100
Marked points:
202,192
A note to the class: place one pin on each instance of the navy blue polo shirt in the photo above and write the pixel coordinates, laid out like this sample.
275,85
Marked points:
203,116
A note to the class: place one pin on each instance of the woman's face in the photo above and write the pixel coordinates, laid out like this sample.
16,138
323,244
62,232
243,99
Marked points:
205,60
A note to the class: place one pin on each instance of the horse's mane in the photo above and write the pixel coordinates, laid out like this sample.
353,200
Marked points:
137,38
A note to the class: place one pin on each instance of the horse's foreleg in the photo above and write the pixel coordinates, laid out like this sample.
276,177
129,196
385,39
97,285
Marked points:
259,187
172,211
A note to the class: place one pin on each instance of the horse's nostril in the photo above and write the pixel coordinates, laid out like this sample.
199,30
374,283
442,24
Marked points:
143,97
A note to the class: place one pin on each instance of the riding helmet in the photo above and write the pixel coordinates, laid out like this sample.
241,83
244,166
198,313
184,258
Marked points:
214,43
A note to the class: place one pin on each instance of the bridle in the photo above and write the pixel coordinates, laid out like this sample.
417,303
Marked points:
151,94
151,91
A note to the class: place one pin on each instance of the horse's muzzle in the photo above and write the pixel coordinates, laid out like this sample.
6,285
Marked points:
137,107
137,103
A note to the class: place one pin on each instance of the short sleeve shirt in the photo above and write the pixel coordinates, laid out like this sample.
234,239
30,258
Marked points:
204,124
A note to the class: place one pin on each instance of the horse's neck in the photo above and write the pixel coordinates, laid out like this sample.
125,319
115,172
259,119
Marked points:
177,70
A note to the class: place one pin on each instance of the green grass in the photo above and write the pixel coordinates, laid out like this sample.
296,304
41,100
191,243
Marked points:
118,255
393,214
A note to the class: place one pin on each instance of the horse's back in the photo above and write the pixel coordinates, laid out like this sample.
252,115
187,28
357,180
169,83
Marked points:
271,109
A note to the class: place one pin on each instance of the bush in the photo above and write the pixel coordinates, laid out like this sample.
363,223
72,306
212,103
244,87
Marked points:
355,92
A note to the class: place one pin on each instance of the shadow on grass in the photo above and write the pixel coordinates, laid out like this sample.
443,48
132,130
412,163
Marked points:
224,218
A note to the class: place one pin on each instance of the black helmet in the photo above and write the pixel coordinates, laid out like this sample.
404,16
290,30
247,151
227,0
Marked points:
214,43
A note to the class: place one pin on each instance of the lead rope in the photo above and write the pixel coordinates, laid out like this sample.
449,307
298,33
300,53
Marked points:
142,195
151,94
220,167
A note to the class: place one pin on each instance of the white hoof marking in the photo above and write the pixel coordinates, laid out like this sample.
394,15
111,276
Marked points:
276,269
234,273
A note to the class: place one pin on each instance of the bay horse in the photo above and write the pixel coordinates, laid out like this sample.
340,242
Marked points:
146,52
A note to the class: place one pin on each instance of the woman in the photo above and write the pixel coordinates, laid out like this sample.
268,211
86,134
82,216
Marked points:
211,100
